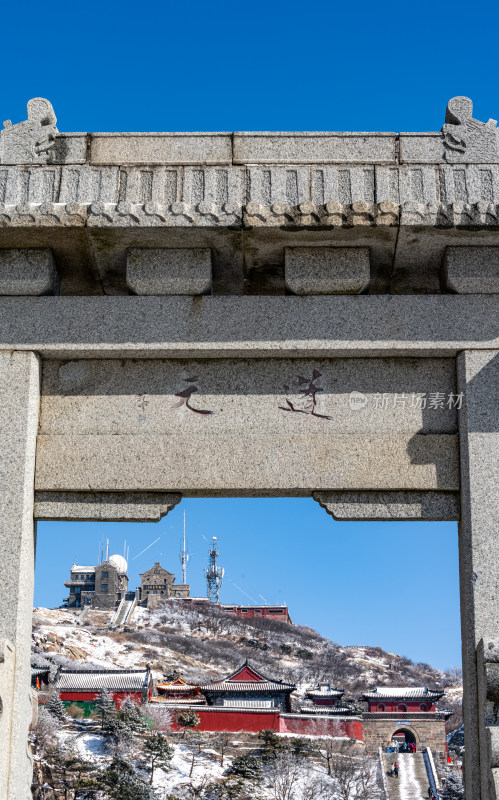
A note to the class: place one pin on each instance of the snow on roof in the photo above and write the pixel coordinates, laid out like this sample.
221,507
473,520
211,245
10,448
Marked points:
248,679
113,680
406,692
80,568
325,691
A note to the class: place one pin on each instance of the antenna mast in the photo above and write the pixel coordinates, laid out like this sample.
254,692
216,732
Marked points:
214,574
184,559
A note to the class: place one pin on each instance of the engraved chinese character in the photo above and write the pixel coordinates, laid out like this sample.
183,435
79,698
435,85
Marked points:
186,394
308,396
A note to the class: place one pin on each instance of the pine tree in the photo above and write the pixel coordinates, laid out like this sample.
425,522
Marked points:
453,789
188,719
159,752
55,706
105,705
123,783
246,767
131,715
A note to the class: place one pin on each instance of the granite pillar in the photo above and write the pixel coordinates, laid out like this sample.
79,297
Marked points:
478,380
19,404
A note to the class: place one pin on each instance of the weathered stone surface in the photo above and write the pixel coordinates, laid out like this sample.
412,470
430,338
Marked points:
472,270
274,396
478,379
27,272
89,185
326,270
19,392
256,327
313,148
31,141
124,507
160,148
390,505
247,465
7,683
162,271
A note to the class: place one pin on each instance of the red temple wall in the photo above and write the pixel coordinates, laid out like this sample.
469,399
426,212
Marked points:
393,705
329,726
91,697
235,720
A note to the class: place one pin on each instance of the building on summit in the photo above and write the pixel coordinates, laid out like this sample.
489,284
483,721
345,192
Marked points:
404,717
84,687
101,586
157,584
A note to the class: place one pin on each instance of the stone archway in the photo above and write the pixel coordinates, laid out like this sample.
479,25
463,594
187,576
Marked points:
410,735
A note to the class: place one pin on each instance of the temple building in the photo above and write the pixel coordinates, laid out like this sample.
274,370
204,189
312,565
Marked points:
157,584
83,687
325,699
101,586
248,688
405,717
179,692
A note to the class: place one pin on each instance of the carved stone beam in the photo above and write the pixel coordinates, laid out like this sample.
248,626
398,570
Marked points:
399,505
109,506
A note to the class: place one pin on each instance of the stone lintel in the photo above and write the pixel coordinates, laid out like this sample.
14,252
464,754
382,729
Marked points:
472,270
169,271
29,271
256,327
160,148
326,270
387,506
310,147
286,464
116,507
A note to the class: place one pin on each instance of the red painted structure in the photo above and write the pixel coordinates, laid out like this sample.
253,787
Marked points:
401,699
235,720
91,697
279,613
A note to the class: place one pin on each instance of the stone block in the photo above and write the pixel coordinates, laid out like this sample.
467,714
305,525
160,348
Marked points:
89,185
28,272
472,270
160,148
314,148
88,506
166,271
7,673
69,148
390,505
326,270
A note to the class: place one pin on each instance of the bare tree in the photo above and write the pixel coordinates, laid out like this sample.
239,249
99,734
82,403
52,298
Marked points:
283,774
161,716
221,743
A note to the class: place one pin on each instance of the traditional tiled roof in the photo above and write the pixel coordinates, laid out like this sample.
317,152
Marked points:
402,693
175,701
325,710
248,679
112,680
177,685
325,691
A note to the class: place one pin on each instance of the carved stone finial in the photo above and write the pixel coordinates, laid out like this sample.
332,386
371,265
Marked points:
30,141
468,140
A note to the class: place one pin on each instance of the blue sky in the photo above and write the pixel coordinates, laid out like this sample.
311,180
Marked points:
390,584
268,66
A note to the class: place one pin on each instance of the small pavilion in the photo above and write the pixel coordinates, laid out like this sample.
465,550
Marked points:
176,692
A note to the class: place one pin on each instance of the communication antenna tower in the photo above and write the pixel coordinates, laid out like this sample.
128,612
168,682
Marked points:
184,559
214,574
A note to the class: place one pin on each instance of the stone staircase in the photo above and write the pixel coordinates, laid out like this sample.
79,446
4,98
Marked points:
412,782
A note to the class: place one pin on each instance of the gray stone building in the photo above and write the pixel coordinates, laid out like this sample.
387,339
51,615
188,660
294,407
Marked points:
157,584
102,586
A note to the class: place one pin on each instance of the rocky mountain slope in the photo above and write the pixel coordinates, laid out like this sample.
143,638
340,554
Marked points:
204,643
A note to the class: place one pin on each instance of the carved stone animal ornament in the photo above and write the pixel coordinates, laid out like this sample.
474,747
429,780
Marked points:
466,139
31,141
